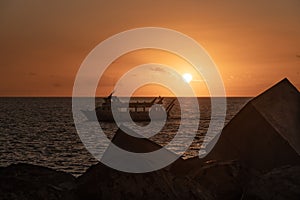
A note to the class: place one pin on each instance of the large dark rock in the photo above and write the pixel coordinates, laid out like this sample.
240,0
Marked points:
265,133
262,136
138,145
225,180
102,182
279,184
25,181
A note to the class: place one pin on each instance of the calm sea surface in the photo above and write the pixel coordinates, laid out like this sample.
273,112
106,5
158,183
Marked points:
41,131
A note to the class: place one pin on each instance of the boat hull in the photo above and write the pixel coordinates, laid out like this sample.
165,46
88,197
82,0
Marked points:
135,116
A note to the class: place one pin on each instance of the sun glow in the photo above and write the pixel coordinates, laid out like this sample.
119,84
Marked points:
187,77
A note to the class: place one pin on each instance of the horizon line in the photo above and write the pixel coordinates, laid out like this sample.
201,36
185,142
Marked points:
233,96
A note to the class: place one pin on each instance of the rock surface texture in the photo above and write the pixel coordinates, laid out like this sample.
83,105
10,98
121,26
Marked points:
25,181
102,182
282,183
265,134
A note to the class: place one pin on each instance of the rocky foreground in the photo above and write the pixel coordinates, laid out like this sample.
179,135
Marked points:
256,157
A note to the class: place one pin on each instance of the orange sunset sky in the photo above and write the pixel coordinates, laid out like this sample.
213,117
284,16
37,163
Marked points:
43,43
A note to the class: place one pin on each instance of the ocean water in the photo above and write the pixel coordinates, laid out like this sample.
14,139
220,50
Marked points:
41,131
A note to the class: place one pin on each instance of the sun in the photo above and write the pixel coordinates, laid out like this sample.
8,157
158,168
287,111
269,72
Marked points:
187,77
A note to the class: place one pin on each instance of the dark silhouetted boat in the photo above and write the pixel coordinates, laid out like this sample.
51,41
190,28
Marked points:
137,110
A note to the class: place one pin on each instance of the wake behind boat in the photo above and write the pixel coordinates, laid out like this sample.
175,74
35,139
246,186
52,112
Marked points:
137,110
